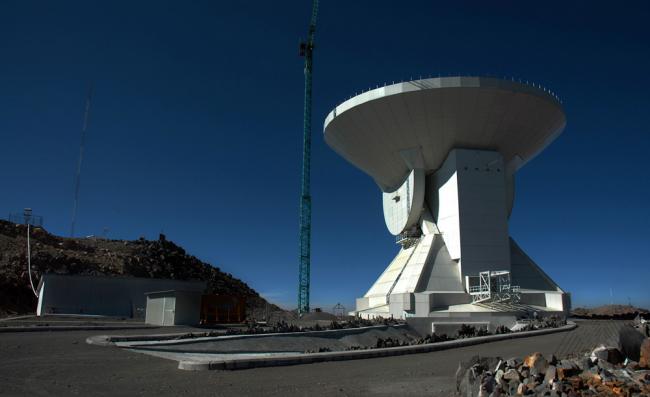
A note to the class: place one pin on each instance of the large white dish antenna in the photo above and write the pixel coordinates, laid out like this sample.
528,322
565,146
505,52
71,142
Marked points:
372,130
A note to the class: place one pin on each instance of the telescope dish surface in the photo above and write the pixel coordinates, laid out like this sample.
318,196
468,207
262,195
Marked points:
373,130
403,206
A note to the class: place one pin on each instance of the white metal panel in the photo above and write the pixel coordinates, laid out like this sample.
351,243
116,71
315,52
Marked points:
442,273
154,312
403,206
484,113
385,282
168,309
468,198
410,277
554,301
484,216
39,307
442,197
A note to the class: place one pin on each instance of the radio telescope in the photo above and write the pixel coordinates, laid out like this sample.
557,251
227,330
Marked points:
444,152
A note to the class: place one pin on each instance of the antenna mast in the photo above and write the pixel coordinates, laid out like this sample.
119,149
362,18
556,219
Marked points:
81,156
306,50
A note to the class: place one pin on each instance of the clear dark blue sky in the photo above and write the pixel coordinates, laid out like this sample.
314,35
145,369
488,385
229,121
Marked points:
197,120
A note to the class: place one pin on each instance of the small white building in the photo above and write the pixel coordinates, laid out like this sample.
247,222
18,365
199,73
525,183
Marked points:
172,307
103,295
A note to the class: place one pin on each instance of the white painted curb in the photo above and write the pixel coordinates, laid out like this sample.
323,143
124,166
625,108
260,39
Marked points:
195,337
307,358
48,328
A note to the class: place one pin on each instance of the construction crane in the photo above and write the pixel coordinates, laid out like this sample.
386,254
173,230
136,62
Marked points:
81,157
307,51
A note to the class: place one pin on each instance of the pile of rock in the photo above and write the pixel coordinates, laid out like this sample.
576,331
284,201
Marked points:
603,372
90,256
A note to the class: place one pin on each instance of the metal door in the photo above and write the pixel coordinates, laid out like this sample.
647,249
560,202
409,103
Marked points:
169,303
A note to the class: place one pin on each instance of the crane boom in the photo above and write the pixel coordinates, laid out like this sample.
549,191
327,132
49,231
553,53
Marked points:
306,50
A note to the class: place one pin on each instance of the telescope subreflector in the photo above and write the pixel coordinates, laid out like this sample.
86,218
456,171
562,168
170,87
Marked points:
444,152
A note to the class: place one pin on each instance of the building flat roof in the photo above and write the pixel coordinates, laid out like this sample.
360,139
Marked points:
174,291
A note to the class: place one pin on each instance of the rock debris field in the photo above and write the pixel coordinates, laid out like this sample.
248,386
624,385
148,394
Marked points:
605,371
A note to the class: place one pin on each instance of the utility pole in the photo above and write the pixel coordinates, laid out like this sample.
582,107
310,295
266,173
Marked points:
81,156
306,50
27,213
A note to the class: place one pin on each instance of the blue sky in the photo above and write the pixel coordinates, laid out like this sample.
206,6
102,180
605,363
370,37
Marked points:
196,129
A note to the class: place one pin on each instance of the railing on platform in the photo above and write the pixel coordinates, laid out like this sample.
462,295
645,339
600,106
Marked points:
22,219
493,286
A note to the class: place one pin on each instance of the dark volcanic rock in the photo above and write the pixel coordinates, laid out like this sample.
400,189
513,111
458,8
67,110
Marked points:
513,362
475,373
90,256
536,363
564,379
551,374
644,355
629,342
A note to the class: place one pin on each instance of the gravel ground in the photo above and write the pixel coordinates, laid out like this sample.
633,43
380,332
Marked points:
61,363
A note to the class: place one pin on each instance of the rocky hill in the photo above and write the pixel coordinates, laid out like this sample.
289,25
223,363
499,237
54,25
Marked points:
609,311
89,256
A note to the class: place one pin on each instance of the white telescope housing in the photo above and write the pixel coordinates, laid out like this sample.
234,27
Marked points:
444,152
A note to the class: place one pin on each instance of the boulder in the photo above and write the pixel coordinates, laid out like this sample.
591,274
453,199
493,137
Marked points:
539,389
631,365
496,393
615,356
644,354
488,383
500,365
511,374
605,353
521,389
536,363
641,376
469,377
524,372
598,353
605,365
584,363
514,362
566,368
556,386
513,386
629,342
550,375
498,377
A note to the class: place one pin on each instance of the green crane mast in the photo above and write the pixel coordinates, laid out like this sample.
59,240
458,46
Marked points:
306,50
